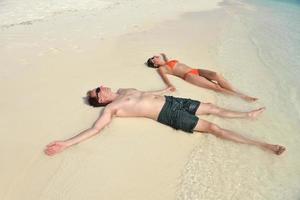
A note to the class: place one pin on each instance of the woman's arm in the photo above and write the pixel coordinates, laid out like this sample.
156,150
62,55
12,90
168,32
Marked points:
164,57
58,146
163,91
162,72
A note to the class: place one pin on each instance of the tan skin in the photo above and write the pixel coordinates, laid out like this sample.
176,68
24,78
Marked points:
135,103
207,79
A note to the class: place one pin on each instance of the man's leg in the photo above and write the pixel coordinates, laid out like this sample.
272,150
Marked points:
209,108
208,127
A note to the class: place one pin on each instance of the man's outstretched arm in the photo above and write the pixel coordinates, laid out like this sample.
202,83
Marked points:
58,146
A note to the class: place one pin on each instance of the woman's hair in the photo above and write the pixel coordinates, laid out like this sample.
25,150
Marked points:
150,63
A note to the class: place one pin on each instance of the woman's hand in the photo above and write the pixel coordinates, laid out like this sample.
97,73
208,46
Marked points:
164,57
171,88
55,147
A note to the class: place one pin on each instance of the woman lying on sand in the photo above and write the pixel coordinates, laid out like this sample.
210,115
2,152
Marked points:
199,77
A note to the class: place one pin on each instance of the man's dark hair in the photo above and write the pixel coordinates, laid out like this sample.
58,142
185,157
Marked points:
93,101
150,63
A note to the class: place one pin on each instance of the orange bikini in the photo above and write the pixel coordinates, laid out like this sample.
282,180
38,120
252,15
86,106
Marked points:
192,71
172,63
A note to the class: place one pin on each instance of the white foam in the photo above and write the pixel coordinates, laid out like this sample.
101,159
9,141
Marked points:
259,52
17,12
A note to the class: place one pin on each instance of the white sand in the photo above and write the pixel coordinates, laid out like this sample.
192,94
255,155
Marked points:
50,59
48,65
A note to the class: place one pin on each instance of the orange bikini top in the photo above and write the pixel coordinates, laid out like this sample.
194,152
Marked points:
172,63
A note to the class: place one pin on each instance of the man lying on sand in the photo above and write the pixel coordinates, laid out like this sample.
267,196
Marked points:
199,77
178,113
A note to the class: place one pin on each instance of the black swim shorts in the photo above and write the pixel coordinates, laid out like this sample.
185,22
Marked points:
179,113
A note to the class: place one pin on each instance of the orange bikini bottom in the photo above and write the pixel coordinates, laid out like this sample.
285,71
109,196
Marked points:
192,71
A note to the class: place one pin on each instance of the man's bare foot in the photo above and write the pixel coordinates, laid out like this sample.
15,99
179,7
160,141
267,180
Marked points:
277,149
250,99
255,113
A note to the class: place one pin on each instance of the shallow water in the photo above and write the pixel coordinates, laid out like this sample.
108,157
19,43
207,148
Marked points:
259,52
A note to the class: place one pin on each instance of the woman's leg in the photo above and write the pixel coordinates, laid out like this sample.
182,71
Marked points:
208,127
209,108
206,83
214,76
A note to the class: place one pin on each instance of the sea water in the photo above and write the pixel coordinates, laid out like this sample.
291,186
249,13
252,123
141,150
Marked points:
259,52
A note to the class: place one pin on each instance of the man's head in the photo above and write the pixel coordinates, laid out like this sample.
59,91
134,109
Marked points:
100,96
155,62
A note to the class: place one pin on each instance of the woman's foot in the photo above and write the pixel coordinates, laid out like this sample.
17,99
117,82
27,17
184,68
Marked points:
250,99
277,149
255,113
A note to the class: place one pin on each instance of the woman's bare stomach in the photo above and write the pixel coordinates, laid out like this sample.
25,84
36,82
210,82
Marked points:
181,69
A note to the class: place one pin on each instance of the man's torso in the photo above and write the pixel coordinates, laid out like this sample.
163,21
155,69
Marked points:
134,103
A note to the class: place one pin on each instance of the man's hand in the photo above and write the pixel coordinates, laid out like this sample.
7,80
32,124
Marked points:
55,147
